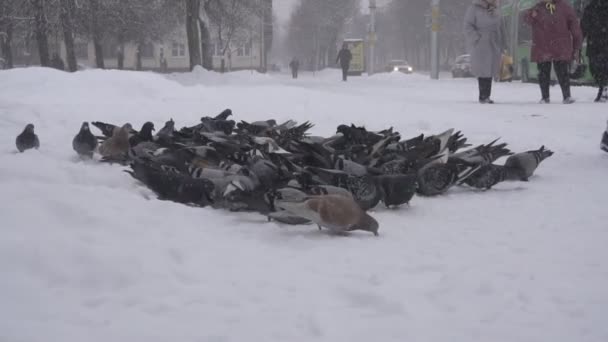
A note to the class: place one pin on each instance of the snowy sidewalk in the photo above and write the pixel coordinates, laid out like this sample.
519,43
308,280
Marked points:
87,255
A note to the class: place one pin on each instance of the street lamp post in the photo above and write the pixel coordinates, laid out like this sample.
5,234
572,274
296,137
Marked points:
435,14
372,37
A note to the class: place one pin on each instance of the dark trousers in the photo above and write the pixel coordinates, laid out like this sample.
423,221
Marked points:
485,87
294,73
562,72
345,72
598,65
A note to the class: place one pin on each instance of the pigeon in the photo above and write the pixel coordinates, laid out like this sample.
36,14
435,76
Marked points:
363,188
171,185
144,135
524,164
224,115
165,135
488,176
84,142
604,142
106,129
436,179
339,214
27,139
397,190
116,147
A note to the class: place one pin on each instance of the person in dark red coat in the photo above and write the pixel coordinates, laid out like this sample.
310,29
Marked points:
557,40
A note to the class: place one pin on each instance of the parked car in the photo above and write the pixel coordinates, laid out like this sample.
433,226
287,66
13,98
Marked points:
400,66
462,67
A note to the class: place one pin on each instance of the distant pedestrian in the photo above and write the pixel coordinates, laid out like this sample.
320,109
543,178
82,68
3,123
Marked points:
483,32
163,61
294,65
595,29
57,62
344,58
557,40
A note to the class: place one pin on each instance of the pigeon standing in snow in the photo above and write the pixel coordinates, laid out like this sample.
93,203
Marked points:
165,135
397,189
27,139
340,214
116,147
488,176
524,164
604,143
84,142
145,134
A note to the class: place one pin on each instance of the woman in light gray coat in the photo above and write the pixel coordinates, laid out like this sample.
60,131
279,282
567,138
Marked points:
482,28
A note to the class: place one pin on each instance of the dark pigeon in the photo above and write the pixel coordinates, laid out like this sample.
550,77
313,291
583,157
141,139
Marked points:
85,142
144,135
27,139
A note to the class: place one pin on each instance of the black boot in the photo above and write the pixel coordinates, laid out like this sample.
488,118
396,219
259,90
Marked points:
601,95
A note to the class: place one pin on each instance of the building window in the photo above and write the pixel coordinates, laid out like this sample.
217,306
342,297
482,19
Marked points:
178,49
147,50
81,50
240,51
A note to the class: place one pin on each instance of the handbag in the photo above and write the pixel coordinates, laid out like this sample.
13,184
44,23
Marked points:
578,68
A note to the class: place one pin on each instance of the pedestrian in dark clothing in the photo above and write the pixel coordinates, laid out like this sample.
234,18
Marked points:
595,29
57,62
482,27
344,57
557,40
294,65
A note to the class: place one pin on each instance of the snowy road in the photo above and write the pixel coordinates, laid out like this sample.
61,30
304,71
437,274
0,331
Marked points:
86,255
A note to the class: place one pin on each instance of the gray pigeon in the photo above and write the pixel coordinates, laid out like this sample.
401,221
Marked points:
340,214
27,139
524,164
85,142
118,145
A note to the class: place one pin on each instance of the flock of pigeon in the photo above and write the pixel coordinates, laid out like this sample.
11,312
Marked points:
282,172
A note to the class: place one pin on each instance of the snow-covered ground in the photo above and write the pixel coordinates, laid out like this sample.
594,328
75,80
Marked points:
86,254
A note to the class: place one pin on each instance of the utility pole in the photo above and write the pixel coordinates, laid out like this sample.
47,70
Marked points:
372,37
435,27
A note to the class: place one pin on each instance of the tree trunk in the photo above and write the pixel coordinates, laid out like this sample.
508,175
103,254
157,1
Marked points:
192,13
5,45
268,32
41,31
67,11
97,35
121,56
206,45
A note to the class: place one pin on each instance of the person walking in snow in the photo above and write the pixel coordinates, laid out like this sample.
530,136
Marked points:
595,29
344,58
294,65
557,40
482,28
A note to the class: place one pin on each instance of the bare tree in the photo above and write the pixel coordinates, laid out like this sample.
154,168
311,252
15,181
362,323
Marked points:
41,27
67,23
9,11
193,8
315,28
